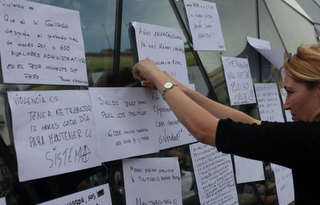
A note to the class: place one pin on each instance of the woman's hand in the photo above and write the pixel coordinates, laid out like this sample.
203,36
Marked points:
151,76
145,71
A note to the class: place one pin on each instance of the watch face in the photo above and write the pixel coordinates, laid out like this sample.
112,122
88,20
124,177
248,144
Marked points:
168,85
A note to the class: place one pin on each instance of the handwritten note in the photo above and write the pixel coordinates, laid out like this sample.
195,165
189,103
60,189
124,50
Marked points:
164,46
238,79
99,195
53,131
214,175
284,184
276,57
3,201
204,24
248,170
41,44
269,102
152,181
135,121
170,131
124,122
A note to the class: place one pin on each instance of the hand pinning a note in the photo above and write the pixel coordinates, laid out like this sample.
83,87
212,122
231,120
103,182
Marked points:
41,44
164,46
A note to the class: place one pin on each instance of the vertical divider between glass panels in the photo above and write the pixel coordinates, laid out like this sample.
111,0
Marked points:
116,68
212,93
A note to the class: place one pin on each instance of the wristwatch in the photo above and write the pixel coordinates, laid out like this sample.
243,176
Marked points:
167,86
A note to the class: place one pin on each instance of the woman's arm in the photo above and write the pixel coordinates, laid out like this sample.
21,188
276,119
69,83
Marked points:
197,113
218,110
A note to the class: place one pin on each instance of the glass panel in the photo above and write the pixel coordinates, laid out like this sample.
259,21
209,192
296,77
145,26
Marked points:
286,20
9,187
298,8
269,32
157,13
239,19
98,23
160,13
317,28
154,12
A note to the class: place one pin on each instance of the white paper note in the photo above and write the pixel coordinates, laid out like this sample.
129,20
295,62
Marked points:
99,195
269,102
284,184
214,175
170,131
248,170
41,44
152,181
276,57
164,46
204,24
258,43
239,81
125,122
3,201
53,131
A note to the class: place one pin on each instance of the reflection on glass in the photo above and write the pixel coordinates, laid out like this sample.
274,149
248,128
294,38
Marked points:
10,189
97,23
293,27
126,78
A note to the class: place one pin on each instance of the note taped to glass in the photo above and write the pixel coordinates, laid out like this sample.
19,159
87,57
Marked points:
41,44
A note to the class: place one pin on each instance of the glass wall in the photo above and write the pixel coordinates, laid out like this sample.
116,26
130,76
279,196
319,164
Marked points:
109,64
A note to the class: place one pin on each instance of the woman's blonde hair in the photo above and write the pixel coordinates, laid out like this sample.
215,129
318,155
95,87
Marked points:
304,67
